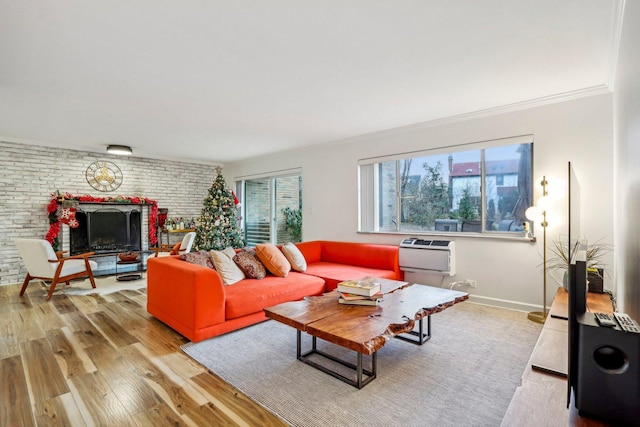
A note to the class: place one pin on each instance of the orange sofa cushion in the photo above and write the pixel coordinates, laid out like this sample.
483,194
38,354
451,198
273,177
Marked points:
337,261
273,259
254,295
333,273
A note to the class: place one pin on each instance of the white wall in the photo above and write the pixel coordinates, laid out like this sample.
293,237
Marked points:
508,272
627,159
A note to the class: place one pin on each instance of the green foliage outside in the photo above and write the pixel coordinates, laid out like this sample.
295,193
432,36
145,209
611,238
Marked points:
507,203
491,210
218,226
466,208
293,223
431,201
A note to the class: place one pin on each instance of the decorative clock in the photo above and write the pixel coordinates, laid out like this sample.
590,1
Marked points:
104,176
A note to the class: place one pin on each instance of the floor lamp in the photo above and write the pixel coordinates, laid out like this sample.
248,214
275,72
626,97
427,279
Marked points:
538,213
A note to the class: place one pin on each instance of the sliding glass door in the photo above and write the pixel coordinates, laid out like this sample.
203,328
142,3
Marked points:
272,209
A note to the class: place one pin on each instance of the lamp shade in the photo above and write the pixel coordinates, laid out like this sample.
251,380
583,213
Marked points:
533,213
122,150
545,203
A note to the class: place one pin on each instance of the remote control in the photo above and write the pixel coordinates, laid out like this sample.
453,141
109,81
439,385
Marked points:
627,323
605,319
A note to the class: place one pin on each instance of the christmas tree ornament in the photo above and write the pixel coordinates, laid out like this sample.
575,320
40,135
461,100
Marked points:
218,226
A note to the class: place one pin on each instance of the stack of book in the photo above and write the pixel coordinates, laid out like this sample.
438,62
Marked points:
359,292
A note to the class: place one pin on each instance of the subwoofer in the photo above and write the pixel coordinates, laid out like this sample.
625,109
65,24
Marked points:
608,372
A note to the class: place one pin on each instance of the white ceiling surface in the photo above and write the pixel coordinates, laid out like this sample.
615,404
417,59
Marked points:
221,81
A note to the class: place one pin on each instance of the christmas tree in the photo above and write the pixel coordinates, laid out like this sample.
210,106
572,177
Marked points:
218,226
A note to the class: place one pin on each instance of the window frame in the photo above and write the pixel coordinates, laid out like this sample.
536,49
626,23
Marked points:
271,177
369,197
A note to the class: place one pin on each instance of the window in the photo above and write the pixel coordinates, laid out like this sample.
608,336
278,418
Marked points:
481,188
271,209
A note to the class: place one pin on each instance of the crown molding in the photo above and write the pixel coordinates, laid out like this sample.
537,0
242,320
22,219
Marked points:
616,37
494,111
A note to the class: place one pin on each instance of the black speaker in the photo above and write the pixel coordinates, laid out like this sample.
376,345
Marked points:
608,372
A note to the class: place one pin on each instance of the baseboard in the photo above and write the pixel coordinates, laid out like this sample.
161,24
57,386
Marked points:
503,303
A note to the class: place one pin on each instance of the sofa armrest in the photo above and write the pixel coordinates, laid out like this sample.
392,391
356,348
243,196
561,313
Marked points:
185,296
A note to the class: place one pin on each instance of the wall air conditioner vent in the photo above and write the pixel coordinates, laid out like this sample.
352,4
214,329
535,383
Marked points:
428,256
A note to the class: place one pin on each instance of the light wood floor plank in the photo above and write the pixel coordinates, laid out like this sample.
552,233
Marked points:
70,356
59,411
184,399
43,373
182,364
99,404
27,325
131,389
85,332
127,314
158,338
10,301
15,407
86,303
49,317
254,415
153,369
159,415
114,332
63,303
8,339
103,360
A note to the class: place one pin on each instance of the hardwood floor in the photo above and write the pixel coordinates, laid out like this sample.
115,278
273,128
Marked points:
103,360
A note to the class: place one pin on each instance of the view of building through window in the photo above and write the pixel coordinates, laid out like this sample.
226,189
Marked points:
473,191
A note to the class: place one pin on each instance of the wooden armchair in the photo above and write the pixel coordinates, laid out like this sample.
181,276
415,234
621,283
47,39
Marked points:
45,264
182,247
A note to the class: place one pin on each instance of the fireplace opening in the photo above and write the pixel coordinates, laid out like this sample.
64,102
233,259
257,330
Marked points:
105,231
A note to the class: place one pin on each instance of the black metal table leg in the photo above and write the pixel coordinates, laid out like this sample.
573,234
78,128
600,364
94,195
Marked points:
362,376
421,337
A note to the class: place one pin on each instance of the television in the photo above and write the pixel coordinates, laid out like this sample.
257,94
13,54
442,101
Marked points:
604,361
577,279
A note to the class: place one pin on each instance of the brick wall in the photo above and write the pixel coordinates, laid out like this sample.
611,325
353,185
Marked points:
29,174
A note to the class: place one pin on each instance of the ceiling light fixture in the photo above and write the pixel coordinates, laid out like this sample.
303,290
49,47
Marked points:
122,150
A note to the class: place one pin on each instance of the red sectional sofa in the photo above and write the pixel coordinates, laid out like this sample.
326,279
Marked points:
192,299
338,261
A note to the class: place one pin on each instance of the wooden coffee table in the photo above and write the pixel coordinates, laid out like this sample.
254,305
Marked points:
364,329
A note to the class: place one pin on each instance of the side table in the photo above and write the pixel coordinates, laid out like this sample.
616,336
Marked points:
129,275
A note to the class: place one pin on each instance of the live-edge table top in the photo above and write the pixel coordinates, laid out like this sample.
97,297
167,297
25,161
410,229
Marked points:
365,329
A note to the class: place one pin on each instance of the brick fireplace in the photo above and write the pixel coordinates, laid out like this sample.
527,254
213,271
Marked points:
107,229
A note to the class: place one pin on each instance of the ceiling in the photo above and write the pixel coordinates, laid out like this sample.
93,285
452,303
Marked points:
220,81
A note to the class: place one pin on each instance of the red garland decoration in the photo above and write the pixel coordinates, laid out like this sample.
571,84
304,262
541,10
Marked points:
57,199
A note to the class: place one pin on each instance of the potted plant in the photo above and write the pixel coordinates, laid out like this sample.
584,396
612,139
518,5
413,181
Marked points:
293,222
596,252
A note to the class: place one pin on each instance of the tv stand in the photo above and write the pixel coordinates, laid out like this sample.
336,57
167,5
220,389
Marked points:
544,381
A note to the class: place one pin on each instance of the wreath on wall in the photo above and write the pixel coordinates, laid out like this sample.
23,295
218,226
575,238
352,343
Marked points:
62,208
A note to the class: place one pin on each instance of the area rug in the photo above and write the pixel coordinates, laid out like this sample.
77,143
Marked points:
465,375
104,285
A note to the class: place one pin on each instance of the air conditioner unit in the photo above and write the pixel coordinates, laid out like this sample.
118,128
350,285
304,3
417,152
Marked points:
428,256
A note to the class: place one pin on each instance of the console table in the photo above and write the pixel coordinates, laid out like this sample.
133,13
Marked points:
541,398
167,246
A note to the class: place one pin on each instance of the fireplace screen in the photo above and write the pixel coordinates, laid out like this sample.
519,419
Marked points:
106,231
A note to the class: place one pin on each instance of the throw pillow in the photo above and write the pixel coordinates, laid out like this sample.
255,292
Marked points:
250,264
201,258
228,270
295,257
273,259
